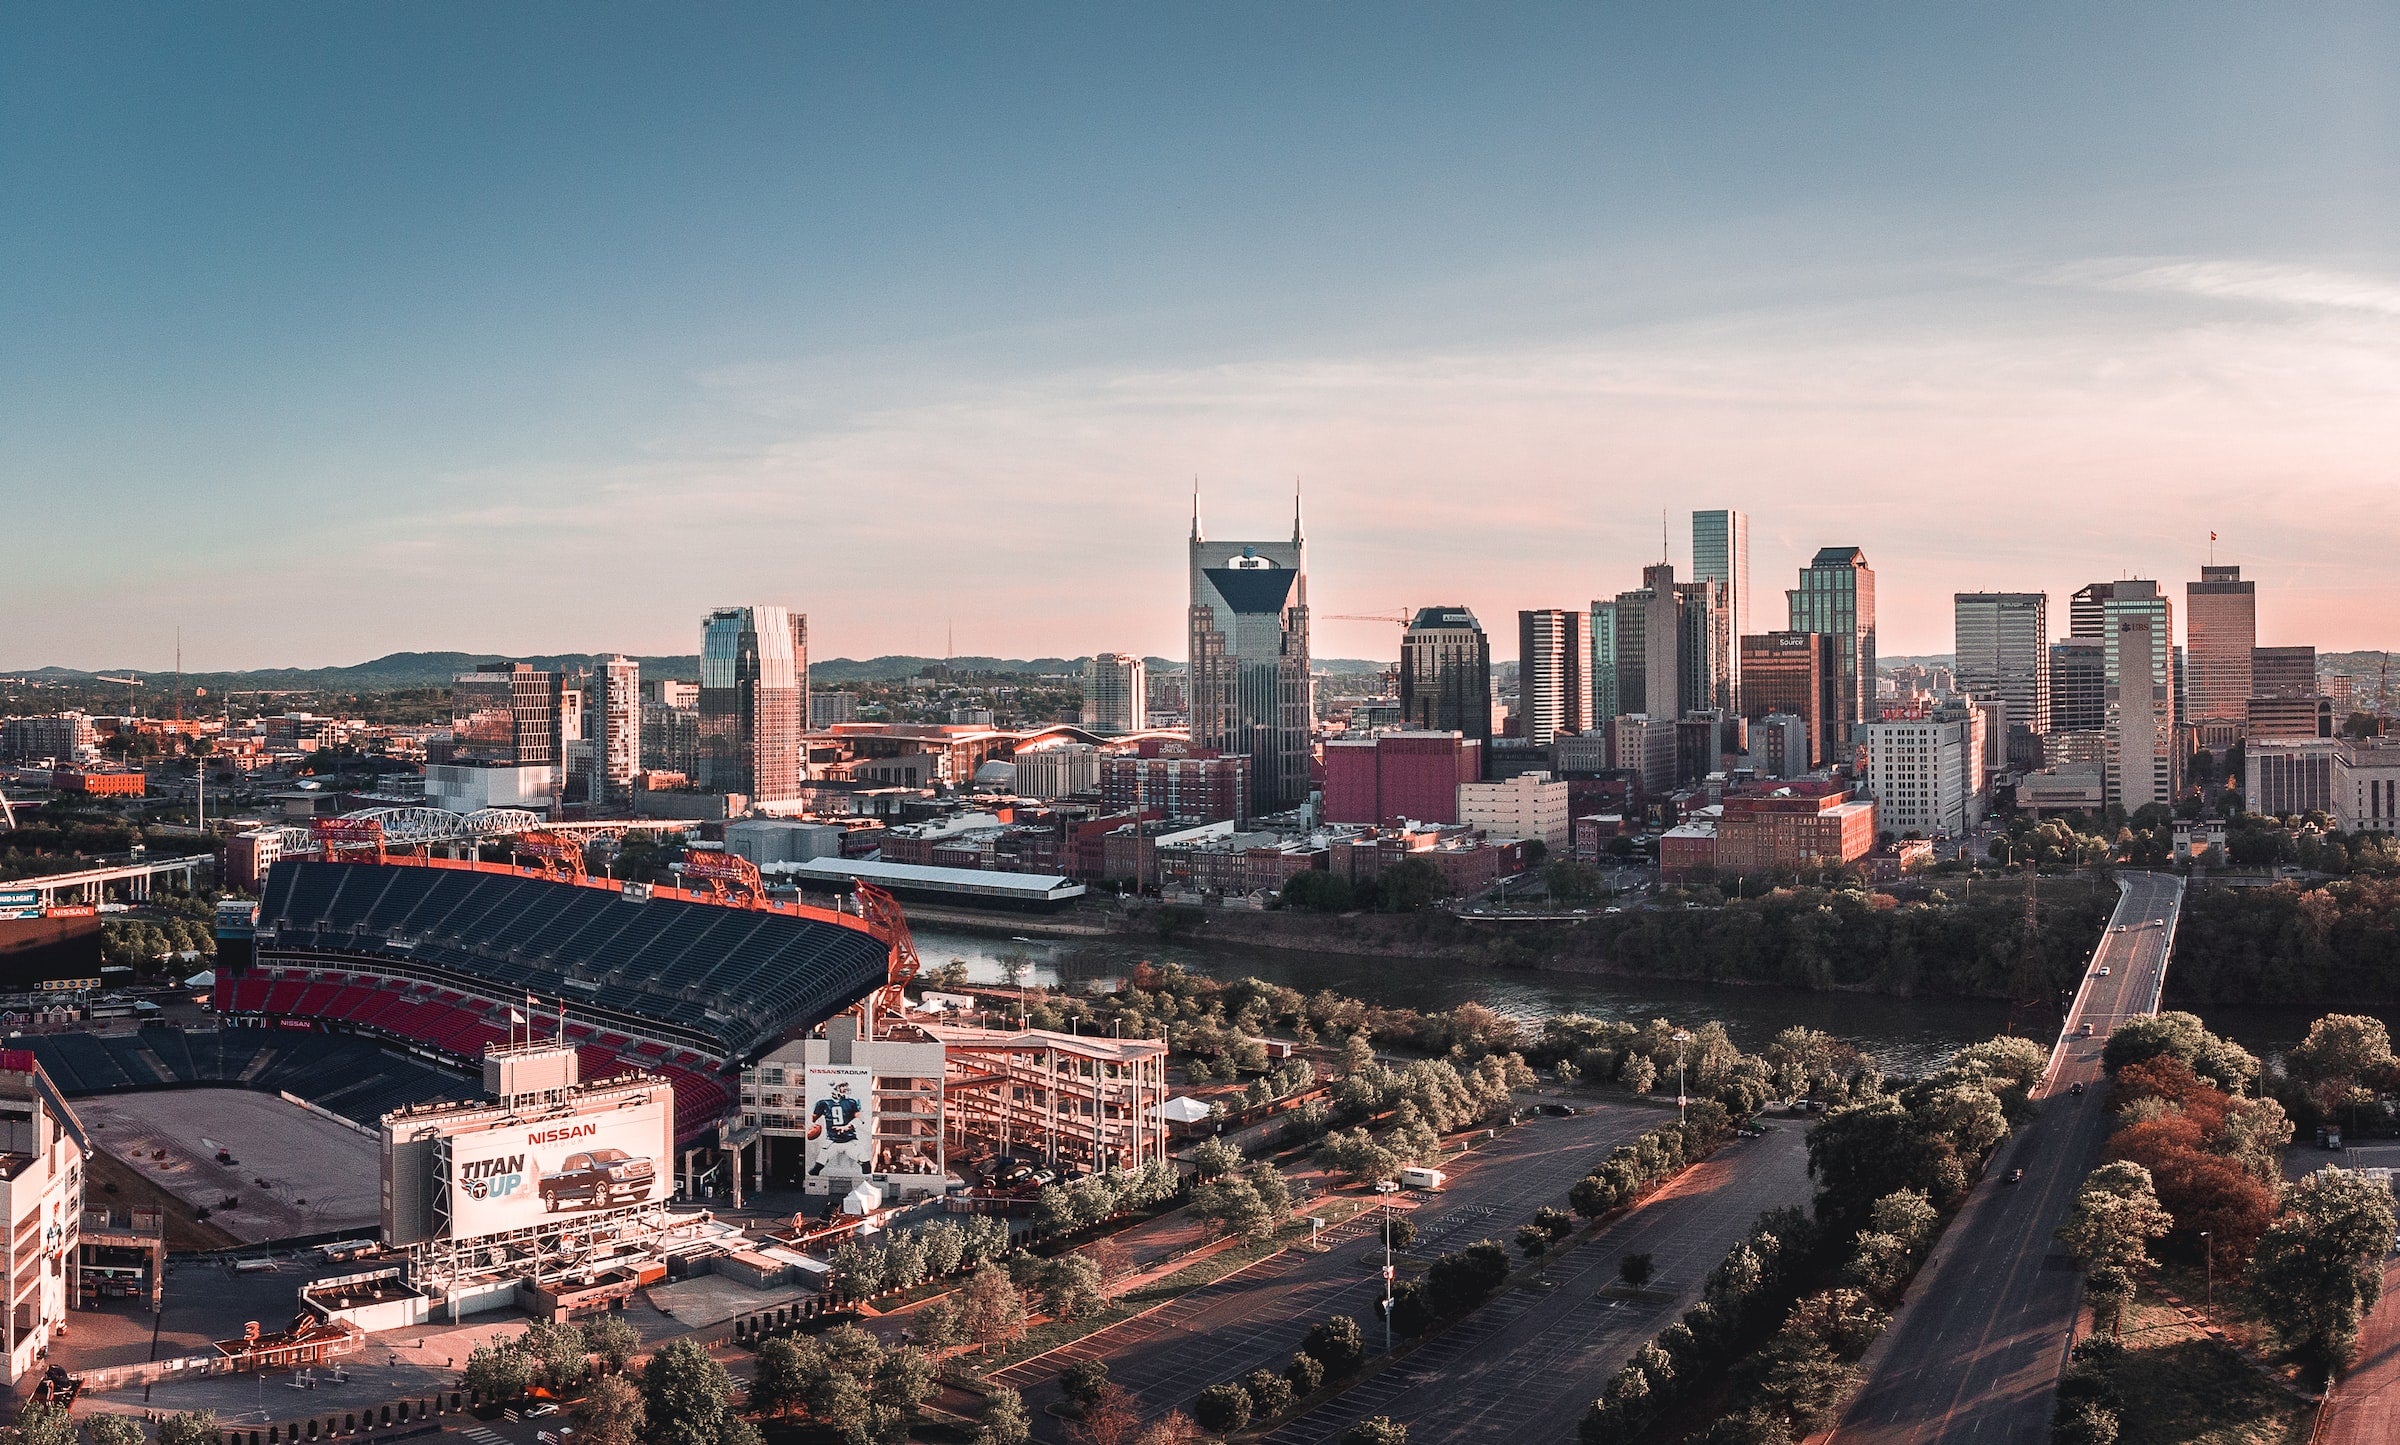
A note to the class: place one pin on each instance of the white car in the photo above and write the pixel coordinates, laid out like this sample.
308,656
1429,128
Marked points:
1387,1186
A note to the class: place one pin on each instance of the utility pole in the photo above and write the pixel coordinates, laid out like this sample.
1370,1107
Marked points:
1387,1279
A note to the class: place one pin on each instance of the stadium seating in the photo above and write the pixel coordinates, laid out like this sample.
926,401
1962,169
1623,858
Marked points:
673,987
351,1076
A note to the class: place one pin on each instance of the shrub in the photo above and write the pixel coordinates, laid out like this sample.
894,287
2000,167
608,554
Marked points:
1222,1408
1307,1376
1337,1344
1270,1393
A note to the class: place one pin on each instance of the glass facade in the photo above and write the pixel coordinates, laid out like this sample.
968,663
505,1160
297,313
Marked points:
753,702
1836,596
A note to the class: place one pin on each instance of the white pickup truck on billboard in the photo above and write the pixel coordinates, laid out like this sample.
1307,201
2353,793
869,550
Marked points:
522,1174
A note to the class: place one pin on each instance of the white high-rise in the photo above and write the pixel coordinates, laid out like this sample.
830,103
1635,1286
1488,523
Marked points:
1924,774
1116,693
614,738
1721,553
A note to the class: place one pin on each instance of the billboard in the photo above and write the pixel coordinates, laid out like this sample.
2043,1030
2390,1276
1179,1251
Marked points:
20,903
841,1120
529,1173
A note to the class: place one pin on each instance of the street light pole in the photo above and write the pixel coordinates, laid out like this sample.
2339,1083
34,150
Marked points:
2210,1255
1682,1040
1387,1279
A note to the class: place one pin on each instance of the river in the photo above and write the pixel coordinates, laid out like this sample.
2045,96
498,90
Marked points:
1902,1035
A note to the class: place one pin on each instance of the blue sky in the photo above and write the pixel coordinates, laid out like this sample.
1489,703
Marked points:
331,331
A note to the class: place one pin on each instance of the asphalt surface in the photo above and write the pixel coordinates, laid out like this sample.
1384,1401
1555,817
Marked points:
1975,1351
1256,1318
1525,1365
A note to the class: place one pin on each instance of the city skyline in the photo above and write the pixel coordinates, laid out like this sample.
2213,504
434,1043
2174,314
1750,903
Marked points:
907,324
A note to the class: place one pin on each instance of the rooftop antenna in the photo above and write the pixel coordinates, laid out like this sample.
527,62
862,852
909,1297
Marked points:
1662,534
179,674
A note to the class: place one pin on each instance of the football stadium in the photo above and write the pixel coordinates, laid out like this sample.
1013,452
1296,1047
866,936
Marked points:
450,957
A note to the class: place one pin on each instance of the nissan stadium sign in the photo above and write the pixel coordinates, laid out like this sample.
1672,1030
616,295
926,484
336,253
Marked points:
526,1174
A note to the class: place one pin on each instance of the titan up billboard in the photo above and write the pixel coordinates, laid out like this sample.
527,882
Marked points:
521,1175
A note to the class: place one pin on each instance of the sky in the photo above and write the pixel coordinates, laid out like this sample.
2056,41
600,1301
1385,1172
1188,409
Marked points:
332,331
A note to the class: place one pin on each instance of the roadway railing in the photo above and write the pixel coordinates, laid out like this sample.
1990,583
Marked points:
2083,988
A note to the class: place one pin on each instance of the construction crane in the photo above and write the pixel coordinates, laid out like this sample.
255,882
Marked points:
130,683
1399,618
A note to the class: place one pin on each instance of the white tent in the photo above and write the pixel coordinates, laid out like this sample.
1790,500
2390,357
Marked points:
1185,1110
205,978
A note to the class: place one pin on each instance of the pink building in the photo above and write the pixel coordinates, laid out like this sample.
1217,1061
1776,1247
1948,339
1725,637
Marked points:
1413,775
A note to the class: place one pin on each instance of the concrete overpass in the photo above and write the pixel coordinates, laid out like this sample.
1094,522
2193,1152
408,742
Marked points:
134,879
1976,1350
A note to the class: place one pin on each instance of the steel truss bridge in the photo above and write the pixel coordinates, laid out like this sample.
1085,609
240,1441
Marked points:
422,827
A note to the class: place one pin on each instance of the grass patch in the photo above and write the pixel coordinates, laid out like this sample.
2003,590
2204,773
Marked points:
1055,1333
2180,1386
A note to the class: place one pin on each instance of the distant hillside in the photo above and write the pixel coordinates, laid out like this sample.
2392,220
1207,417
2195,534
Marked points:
435,669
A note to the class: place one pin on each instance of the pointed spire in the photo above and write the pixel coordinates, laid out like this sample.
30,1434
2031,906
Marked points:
1195,506
1295,511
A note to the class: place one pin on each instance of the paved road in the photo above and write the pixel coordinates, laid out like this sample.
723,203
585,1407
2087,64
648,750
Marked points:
1258,1317
1525,1365
2364,1408
1974,1353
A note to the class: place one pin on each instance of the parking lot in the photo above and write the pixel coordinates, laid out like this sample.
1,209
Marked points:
1525,1365
1258,1317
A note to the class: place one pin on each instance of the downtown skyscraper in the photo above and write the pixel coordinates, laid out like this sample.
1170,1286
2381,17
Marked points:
1552,696
1721,554
1251,693
2220,626
754,702
1836,596
2001,650
1446,676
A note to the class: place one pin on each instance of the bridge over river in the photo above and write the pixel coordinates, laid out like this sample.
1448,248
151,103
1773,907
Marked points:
1976,1351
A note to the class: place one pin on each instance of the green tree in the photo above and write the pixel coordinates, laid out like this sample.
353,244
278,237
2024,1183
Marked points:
1635,1269
107,1429
1410,886
1533,1242
560,1360
1319,892
988,1309
1071,1287
2116,1215
685,1395
187,1427
2320,1268
786,1371
1223,1408
44,1423
903,1380
614,1339
1306,1373
500,1371
1081,1380
610,1413
1213,1158
1003,1421
1376,1430
2342,1053
2183,1036
1337,1344
1572,884
1270,1393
